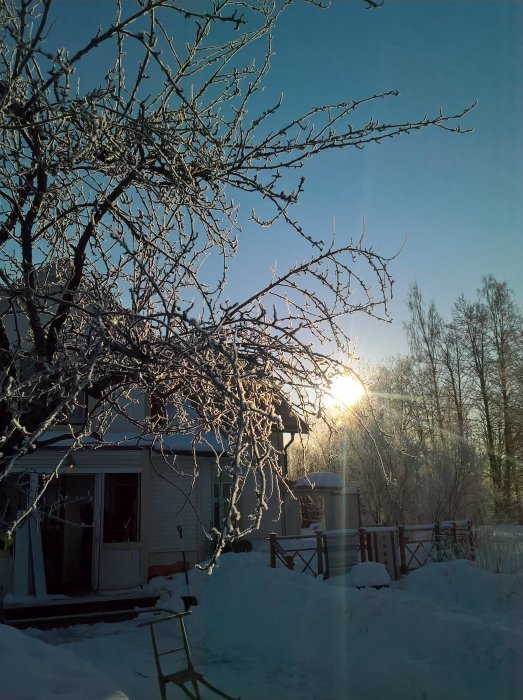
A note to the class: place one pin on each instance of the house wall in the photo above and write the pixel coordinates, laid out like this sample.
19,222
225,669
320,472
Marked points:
271,521
282,515
168,498
283,521
174,499
136,406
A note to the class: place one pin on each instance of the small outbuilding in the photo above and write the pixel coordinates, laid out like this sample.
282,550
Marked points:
327,500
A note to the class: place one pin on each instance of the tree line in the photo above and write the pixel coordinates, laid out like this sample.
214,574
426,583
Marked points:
440,432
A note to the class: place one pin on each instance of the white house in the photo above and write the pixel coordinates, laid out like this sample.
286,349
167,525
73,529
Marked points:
114,512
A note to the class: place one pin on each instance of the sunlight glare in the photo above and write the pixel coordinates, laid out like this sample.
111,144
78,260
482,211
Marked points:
343,392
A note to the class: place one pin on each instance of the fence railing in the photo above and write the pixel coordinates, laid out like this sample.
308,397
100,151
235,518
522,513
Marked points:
420,544
401,548
322,553
304,550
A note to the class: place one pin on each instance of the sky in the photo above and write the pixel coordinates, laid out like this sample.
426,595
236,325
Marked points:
448,205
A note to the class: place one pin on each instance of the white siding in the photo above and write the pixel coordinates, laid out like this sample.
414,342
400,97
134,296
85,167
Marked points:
174,500
120,568
86,461
41,460
271,520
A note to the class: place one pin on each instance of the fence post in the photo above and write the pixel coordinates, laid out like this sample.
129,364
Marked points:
403,555
454,532
437,540
319,551
272,540
471,541
327,572
363,546
369,545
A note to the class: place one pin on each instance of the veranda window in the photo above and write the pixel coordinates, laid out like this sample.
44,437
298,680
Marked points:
122,508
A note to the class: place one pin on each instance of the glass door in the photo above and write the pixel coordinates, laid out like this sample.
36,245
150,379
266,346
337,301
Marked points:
67,526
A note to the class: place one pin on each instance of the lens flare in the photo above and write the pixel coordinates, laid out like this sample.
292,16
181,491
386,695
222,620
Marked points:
344,391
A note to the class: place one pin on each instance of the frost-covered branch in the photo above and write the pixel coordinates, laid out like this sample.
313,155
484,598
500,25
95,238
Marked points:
114,197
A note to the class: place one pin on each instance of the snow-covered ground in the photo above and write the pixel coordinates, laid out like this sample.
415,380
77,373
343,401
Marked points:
448,631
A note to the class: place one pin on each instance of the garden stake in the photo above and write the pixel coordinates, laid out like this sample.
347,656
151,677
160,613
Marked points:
187,599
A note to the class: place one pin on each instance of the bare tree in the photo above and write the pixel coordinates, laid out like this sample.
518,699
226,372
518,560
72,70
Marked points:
490,329
440,434
113,197
424,332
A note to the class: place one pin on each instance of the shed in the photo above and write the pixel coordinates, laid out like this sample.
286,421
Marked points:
341,503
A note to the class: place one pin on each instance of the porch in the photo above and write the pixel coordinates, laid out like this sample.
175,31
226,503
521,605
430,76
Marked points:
61,611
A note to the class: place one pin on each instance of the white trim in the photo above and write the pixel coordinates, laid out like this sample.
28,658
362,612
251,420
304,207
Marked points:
21,560
37,557
98,525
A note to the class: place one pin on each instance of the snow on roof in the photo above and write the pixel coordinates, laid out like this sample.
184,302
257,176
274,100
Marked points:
320,480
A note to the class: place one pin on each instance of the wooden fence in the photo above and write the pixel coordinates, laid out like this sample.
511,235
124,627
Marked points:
420,544
322,553
401,549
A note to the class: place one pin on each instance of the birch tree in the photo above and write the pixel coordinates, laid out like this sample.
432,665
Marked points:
491,328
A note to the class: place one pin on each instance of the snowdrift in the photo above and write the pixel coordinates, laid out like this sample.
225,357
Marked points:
447,631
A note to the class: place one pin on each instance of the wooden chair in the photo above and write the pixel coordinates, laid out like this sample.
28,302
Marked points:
185,676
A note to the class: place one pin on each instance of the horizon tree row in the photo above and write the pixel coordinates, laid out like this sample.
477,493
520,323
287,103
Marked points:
440,432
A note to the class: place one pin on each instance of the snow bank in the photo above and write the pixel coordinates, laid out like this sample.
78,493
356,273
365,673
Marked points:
33,670
465,587
447,631
368,573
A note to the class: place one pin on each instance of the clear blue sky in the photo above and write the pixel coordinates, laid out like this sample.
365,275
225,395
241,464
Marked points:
453,203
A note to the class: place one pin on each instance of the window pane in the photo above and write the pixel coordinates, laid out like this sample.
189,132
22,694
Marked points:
122,508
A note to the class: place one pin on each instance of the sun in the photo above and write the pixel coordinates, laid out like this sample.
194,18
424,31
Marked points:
344,391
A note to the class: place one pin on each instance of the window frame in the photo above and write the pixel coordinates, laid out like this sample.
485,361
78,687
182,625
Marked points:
112,534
